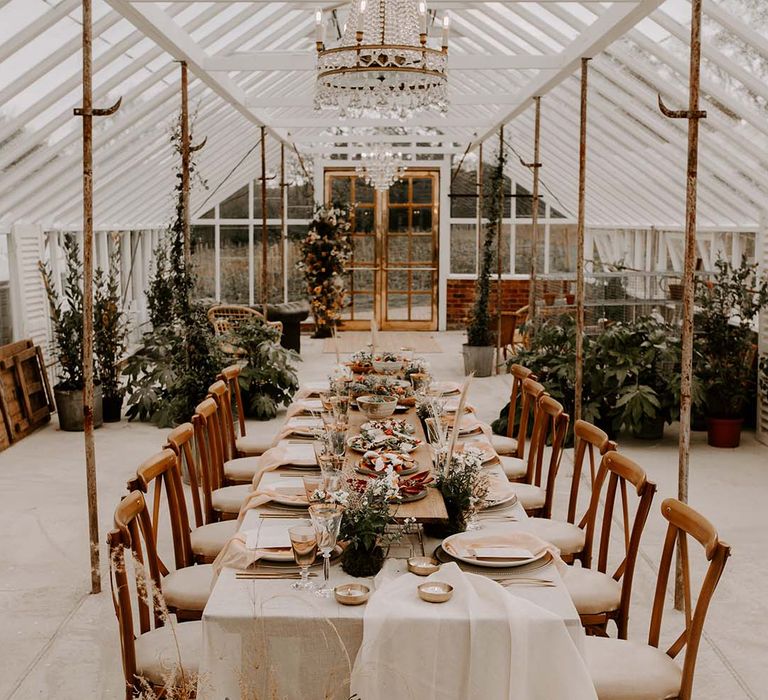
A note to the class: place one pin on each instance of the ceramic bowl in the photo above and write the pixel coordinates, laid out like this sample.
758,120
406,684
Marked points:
388,366
377,407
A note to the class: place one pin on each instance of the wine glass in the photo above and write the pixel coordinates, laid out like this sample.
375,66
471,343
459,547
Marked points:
326,519
340,408
304,546
337,440
311,484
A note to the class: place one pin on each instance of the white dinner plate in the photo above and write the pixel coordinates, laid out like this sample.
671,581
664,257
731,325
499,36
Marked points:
455,547
289,491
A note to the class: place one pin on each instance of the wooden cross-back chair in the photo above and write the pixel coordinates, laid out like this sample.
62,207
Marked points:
206,540
516,467
600,596
637,671
568,535
186,589
507,444
536,493
151,650
220,502
242,445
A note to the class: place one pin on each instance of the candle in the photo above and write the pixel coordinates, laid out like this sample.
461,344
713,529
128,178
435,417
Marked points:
434,589
446,27
423,16
319,29
361,17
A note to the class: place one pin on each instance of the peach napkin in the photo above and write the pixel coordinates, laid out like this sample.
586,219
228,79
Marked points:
517,540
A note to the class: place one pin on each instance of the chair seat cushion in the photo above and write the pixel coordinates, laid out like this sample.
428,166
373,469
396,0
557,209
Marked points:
157,655
209,540
568,538
592,591
241,469
514,468
230,498
530,497
188,588
504,445
253,445
626,670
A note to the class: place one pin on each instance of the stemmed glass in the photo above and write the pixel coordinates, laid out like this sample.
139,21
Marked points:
326,519
304,546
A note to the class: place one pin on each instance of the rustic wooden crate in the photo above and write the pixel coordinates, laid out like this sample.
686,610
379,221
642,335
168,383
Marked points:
26,401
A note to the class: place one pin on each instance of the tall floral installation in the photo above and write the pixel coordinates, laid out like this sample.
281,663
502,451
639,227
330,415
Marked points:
325,252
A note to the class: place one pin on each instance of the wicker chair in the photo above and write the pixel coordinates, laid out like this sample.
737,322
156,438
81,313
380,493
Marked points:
227,317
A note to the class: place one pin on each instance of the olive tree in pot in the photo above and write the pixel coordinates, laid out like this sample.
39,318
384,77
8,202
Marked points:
480,347
726,344
110,337
67,321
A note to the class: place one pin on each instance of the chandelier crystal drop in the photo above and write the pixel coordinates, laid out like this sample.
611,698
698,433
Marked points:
382,66
381,168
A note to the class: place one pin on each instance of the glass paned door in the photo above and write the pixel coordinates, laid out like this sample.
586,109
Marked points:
393,275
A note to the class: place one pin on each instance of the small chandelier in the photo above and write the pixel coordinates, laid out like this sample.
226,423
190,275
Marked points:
381,168
382,66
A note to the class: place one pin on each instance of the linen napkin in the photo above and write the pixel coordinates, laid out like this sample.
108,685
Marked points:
483,643
280,455
266,492
303,406
511,539
301,425
311,389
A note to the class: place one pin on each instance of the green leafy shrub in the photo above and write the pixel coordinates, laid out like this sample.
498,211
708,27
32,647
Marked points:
269,377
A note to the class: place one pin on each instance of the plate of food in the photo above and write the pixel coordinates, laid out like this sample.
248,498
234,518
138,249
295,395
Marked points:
414,488
388,362
376,463
394,435
488,453
494,548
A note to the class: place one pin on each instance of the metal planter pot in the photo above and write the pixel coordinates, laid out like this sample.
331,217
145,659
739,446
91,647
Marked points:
479,359
69,406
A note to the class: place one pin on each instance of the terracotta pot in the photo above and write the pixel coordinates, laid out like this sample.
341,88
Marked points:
570,299
549,298
724,432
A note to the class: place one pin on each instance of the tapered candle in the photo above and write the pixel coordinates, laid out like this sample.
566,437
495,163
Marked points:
446,27
319,29
423,15
361,17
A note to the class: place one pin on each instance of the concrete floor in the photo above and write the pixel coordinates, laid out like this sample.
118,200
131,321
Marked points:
59,641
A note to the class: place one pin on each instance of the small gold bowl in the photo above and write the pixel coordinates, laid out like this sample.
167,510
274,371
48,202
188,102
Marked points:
423,566
352,593
435,591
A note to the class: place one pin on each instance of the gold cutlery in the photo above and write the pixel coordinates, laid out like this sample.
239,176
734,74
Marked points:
522,581
277,575
284,516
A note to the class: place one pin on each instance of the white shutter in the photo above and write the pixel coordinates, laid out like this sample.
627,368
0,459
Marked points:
761,253
6,315
30,306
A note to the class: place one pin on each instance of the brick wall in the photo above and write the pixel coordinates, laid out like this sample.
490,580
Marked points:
461,295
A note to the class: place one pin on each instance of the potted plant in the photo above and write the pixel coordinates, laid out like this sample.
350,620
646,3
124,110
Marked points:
67,320
325,252
110,338
268,377
727,305
479,349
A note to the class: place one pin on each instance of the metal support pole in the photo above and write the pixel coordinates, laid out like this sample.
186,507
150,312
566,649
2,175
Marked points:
693,115
264,234
579,374
90,451
498,253
535,208
185,160
283,222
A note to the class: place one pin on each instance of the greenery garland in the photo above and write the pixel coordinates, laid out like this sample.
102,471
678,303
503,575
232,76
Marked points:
325,252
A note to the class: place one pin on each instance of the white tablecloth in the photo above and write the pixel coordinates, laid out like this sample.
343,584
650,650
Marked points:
264,640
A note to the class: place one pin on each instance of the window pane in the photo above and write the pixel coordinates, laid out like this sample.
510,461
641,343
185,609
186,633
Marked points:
505,245
463,248
562,248
234,264
273,199
296,289
523,249
422,190
422,219
398,219
236,206
203,260
524,204
274,266
398,193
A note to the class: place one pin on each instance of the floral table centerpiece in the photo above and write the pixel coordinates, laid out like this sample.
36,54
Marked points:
464,486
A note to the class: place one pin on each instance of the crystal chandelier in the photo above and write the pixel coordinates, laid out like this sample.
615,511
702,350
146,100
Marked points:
381,168
382,66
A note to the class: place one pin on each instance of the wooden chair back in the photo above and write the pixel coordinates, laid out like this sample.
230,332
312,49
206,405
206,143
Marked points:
133,535
615,472
231,375
519,375
181,441
550,426
225,318
219,392
209,451
161,471
685,522
531,392
589,439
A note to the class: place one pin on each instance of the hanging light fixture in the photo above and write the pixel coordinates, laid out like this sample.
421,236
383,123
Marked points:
381,168
382,66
